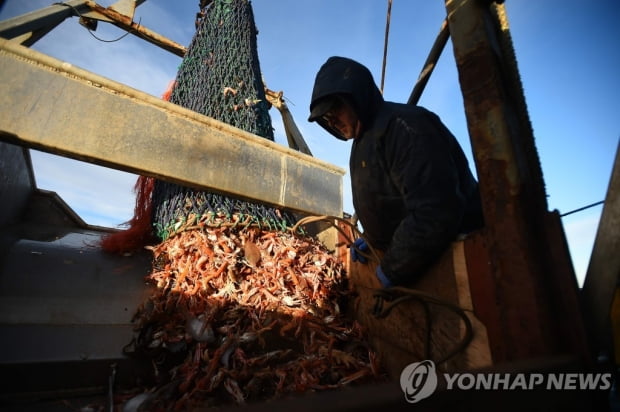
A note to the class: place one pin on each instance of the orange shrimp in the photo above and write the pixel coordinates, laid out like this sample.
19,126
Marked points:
217,273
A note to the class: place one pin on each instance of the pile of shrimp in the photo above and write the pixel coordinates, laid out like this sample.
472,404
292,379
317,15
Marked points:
246,315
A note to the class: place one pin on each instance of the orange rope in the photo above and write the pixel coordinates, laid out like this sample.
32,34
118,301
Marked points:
139,233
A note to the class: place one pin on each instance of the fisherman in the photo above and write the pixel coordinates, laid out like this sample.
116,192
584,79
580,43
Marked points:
413,191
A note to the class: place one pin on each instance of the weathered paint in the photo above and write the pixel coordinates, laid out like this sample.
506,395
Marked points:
125,22
30,27
525,271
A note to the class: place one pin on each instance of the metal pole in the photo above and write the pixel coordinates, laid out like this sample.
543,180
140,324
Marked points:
385,43
40,22
430,63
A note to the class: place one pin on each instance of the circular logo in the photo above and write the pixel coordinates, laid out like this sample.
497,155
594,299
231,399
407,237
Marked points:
418,380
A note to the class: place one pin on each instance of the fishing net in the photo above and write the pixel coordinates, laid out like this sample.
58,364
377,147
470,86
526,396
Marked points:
246,307
219,77
220,74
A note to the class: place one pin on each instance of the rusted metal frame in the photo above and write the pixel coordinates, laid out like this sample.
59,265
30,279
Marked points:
293,136
430,63
482,287
564,296
126,7
603,274
126,23
30,27
87,117
511,185
39,22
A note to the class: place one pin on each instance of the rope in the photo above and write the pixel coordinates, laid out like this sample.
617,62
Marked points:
398,294
373,255
385,43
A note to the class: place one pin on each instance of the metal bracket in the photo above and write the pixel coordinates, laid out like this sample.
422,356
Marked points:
126,8
293,135
30,27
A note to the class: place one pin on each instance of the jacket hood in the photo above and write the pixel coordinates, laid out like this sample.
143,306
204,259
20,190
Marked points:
354,82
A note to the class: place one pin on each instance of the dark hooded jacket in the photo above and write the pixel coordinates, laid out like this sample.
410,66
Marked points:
412,187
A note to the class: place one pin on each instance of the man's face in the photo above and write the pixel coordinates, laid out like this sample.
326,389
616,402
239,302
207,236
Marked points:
342,118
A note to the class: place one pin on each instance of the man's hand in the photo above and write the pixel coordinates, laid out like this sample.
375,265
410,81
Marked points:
359,246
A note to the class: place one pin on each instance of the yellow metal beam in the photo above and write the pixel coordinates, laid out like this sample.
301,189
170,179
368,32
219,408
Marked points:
53,106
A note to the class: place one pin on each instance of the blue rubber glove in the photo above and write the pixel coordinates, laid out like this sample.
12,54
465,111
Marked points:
385,281
356,247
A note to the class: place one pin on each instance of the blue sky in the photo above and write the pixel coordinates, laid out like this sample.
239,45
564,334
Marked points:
567,52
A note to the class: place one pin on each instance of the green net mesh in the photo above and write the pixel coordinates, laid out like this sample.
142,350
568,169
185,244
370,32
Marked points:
219,77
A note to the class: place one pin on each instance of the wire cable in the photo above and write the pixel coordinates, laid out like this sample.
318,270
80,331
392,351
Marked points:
583,208
91,31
